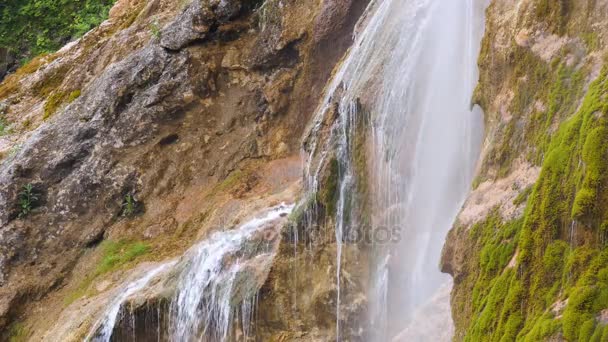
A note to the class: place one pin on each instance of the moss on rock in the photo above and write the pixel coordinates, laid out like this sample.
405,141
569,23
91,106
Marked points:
560,242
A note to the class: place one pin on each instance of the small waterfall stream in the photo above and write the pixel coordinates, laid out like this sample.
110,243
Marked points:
102,331
217,283
222,273
412,70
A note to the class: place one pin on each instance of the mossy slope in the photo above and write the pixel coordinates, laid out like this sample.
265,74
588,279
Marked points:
542,276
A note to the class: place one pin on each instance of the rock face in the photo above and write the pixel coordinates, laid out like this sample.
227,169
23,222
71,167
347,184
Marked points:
6,62
159,126
531,236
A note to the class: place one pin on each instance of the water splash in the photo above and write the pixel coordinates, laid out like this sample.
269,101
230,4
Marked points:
218,281
413,69
221,280
102,330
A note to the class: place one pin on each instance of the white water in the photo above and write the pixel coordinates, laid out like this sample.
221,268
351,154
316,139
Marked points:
102,330
218,282
413,68
224,272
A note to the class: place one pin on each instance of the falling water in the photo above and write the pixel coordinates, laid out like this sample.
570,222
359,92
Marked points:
413,69
222,273
217,283
102,330
572,234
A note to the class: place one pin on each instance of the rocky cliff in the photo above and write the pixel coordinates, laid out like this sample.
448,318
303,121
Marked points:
169,121
528,253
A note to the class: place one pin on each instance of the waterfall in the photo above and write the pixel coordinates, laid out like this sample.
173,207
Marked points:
217,283
412,70
102,330
222,273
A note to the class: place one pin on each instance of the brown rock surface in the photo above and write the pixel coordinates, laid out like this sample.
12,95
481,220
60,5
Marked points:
194,124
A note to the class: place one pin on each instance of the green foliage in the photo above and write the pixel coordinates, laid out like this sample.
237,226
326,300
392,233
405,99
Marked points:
155,30
119,253
129,205
28,199
32,27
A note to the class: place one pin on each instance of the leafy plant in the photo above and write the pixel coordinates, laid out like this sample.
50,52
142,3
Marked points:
129,205
27,200
155,29
32,27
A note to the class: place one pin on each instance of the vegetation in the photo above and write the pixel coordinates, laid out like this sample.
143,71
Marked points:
115,255
560,242
523,196
3,126
28,199
329,192
56,99
155,29
129,205
555,12
32,27
17,332
119,253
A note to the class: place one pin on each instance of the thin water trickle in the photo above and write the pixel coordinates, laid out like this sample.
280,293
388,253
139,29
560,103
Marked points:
573,234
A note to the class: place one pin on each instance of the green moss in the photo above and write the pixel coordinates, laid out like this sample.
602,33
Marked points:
523,196
329,192
51,81
74,95
514,303
52,104
115,255
4,130
119,253
17,332
297,216
592,40
232,181
556,13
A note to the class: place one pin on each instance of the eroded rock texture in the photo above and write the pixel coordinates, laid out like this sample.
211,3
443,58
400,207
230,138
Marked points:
528,251
190,114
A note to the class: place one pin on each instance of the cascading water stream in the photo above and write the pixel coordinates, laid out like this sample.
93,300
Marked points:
217,280
102,330
412,69
222,272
